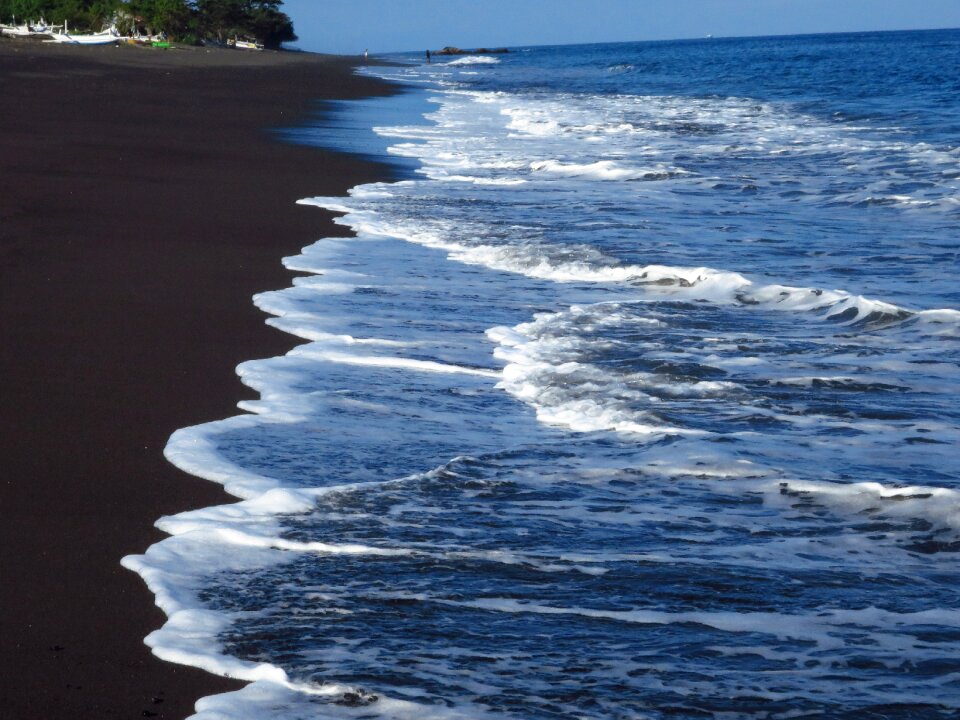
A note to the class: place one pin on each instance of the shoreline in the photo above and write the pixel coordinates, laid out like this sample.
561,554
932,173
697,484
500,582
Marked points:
143,202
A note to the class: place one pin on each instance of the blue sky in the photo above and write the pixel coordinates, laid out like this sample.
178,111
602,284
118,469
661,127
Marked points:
349,26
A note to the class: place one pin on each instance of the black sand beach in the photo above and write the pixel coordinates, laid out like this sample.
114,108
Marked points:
142,204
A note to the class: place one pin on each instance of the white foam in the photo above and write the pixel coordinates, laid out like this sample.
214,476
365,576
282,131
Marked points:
325,355
552,262
941,506
572,394
194,451
607,170
474,60
188,635
820,628
281,701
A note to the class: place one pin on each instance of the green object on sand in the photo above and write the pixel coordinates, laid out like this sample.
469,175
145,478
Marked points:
158,44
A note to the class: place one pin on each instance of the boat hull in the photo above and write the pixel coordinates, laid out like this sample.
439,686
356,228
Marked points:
98,39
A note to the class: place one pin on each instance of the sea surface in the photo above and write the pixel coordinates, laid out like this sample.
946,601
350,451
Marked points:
636,397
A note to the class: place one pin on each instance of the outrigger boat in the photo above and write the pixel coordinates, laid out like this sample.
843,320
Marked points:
147,39
27,30
244,44
110,35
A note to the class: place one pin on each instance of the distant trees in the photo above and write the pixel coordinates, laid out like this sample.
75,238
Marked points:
186,20
20,9
260,18
79,13
269,24
173,17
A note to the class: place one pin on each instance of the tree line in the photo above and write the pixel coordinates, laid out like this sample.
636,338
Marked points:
183,20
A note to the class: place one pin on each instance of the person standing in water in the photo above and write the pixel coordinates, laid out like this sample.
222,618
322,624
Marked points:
428,56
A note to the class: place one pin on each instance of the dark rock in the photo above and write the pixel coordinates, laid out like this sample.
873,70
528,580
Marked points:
451,50
359,698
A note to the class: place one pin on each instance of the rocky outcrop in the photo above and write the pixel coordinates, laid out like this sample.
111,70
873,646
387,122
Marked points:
450,50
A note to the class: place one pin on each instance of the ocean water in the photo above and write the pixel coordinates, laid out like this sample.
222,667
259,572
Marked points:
636,398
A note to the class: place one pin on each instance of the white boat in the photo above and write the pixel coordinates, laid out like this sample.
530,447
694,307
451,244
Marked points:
110,35
28,29
148,39
16,30
244,44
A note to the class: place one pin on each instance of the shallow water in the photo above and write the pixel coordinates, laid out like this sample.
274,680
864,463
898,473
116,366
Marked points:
635,399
